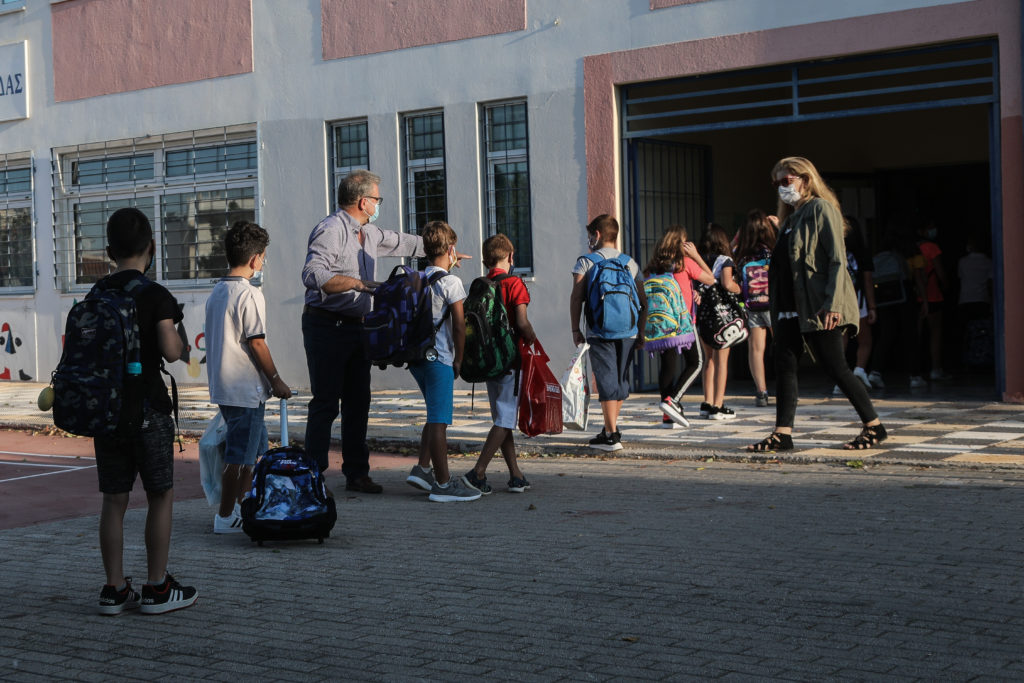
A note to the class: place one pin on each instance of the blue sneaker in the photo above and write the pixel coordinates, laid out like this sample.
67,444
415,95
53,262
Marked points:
479,483
518,485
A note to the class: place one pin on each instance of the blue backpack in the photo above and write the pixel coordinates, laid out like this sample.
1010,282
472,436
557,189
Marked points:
401,326
98,388
612,303
668,325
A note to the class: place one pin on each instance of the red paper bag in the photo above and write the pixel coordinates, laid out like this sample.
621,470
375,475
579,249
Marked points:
540,395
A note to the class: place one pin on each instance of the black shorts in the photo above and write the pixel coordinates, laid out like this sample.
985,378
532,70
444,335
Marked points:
150,455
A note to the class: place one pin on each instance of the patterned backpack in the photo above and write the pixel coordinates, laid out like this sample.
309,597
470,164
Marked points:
401,326
98,388
490,349
669,325
754,281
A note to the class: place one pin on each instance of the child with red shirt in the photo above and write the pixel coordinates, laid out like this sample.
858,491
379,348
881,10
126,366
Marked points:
501,392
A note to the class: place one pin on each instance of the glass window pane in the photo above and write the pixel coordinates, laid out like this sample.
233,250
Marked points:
194,224
206,160
512,208
506,127
428,191
426,136
91,262
15,181
112,170
16,247
350,145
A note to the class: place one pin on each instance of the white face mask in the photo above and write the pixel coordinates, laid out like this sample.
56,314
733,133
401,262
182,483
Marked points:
788,194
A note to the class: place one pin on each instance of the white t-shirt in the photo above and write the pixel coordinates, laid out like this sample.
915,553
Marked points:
235,313
445,292
975,271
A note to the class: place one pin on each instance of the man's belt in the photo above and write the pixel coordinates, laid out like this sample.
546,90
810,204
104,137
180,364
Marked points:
339,318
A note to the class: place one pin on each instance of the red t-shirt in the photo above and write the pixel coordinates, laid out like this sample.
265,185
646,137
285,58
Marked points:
513,293
685,277
931,251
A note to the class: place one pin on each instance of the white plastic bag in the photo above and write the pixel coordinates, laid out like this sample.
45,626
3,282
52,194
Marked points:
211,458
575,391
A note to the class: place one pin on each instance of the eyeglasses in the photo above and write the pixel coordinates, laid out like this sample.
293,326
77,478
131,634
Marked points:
380,200
788,180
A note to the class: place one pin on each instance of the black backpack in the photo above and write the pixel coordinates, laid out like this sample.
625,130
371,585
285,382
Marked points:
401,328
98,387
490,350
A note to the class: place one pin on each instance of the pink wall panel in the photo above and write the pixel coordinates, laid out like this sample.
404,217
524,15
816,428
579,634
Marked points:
660,4
357,27
109,46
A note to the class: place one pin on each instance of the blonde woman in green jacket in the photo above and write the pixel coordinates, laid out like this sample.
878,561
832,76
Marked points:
811,301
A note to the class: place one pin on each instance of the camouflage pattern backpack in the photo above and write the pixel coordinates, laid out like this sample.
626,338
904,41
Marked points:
490,349
98,381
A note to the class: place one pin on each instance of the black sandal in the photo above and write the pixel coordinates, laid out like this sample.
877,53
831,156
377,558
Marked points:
776,441
869,437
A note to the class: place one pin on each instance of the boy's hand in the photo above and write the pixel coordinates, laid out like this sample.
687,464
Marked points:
456,367
279,389
577,337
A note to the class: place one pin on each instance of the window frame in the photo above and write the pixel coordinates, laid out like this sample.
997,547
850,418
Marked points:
489,161
151,193
336,171
21,200
411,167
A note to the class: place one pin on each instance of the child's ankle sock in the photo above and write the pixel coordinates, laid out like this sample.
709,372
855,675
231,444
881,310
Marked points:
157,583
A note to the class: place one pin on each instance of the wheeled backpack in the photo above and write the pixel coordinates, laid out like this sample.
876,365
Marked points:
490,349
288,500
401,328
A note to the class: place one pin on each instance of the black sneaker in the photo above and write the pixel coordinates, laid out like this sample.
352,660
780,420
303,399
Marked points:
474,482
706,410
726,413
113,601
607,442
167,597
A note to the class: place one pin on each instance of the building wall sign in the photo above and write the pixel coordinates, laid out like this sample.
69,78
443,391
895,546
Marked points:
13,82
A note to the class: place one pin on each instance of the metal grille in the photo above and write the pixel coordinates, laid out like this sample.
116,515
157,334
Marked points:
349,151
17,257
425,188
507,168
192,186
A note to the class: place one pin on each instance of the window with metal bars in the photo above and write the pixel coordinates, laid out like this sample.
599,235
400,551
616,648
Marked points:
349,149
425,188
192,186
507,176
17,257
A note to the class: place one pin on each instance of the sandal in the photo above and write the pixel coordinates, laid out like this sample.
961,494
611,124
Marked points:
869,437
776,441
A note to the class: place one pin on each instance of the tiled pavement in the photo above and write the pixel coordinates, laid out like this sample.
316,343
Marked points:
925,429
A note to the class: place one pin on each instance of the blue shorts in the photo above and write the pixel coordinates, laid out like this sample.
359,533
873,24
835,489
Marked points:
437,384
246,437
609,361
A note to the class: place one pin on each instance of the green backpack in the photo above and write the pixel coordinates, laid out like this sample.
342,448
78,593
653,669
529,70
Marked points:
490,350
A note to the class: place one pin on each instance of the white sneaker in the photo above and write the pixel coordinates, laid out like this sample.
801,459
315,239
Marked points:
940,374
875,377
860,374
917,382
836,391
231,524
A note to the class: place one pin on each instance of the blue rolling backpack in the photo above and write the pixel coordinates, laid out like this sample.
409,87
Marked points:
289,500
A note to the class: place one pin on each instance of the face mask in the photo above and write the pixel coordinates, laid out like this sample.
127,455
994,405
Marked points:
453,260
788,194
511,266
594,240
376,212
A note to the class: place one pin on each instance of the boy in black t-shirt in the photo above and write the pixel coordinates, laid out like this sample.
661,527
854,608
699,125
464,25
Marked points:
150,454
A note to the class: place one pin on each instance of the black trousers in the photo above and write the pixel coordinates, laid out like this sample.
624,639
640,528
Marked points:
678,370
827,348
339,375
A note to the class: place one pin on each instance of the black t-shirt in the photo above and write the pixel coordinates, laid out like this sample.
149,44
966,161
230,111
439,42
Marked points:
780,271
858,258
153,304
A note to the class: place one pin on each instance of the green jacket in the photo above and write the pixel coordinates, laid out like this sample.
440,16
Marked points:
821,282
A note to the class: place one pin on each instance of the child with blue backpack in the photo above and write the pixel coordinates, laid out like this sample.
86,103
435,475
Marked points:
607,287
674,266
436,377
498,254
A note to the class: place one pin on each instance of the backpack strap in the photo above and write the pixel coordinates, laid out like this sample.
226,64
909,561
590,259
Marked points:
431,281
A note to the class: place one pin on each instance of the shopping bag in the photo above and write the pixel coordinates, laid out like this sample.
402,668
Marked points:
211,458
575,391
540,395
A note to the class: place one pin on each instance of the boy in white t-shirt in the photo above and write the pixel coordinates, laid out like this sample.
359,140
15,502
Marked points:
436,378
241,371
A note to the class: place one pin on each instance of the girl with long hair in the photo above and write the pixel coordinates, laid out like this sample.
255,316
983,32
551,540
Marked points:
715,247
754,245
811,301
674,254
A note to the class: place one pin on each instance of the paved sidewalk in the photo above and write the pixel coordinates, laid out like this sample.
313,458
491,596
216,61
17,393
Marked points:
925,429
603,571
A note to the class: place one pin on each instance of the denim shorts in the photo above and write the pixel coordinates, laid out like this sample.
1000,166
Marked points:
246,435
501,393
150,456
759,319
437,384
609,361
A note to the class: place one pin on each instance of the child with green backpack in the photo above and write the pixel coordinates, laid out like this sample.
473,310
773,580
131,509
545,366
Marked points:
669,329
501,299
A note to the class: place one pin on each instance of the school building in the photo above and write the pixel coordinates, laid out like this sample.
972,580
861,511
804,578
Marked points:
526,117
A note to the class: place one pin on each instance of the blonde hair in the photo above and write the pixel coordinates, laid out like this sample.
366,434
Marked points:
667,256
437,236
814,186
